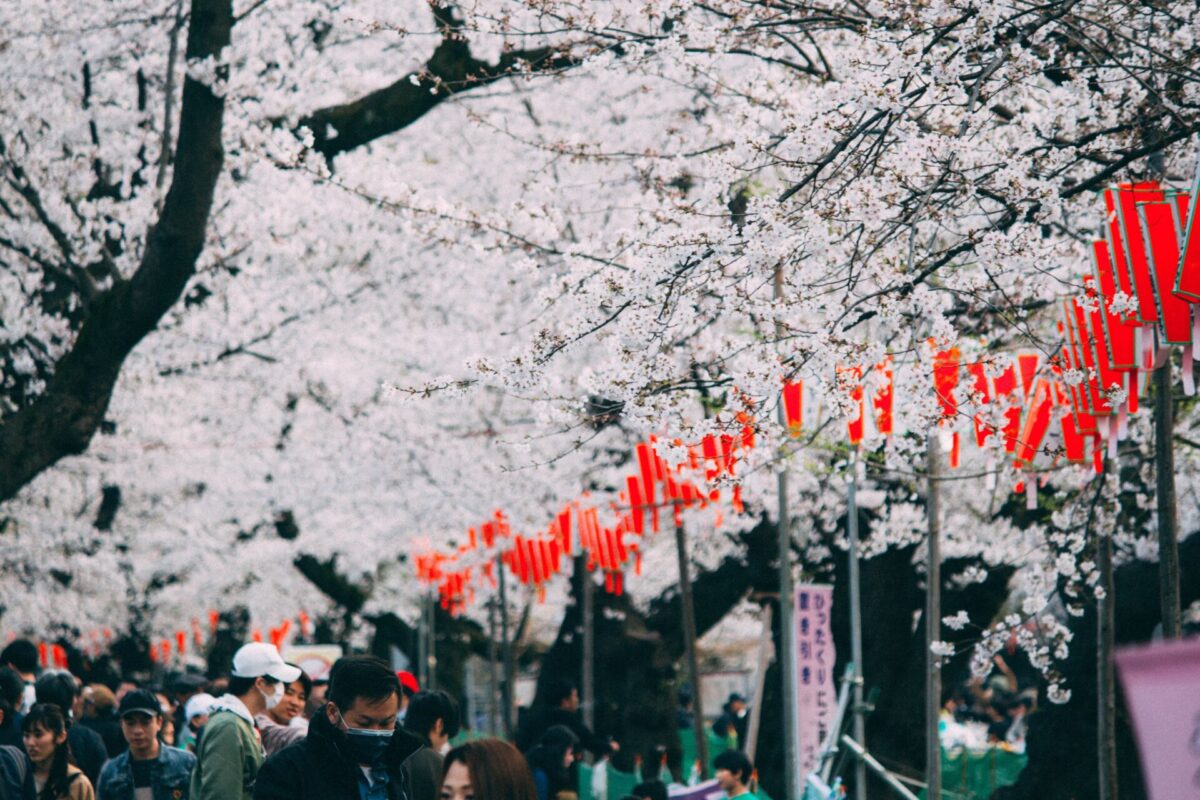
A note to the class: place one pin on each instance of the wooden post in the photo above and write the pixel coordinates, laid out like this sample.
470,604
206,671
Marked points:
760,683
688,612
1168,514
933,617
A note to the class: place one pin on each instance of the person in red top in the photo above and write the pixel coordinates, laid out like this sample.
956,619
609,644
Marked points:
408,690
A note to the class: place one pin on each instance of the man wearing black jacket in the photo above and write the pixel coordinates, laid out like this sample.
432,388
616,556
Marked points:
560,706
353,750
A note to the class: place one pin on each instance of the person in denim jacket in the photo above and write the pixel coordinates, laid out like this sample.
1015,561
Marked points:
149,769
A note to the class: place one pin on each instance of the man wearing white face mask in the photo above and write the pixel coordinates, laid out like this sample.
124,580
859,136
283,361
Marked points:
229,753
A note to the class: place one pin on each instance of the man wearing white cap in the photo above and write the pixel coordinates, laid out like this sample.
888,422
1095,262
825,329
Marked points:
195,715
230,752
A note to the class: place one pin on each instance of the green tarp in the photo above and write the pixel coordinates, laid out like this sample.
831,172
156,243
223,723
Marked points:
622,783
975,774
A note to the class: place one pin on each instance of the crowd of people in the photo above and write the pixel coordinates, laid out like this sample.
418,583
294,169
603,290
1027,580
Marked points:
268,731
987,713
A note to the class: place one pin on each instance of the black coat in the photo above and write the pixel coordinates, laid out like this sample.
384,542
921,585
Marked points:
109,728
88,750
318,768
542,718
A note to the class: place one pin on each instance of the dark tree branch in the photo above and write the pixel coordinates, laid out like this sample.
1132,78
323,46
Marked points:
62,421
450,70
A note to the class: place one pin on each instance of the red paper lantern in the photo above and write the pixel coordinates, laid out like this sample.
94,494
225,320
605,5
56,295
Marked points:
945,380
793,407
1129,246
883,399
1037,422
1159,226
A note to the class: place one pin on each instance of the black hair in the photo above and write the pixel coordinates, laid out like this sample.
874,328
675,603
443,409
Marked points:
48,717
547,755
557,690
426,708
736,762
11,689
58,688
22,654
240,686
366,676
305,681
655,790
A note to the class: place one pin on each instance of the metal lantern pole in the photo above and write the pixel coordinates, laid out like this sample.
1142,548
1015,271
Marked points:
588,590
1106,712
787,661
689,639
494,702
432,649
933,616
856,645
506,651
1168,516
787,620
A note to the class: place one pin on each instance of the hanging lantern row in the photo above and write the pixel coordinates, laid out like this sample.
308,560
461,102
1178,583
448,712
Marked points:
577,529
1014,397
165,649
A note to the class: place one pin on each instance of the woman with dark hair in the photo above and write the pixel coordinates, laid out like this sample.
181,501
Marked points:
486,769
45,738
550,760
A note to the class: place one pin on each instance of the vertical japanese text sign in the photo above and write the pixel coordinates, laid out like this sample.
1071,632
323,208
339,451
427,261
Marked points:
816,694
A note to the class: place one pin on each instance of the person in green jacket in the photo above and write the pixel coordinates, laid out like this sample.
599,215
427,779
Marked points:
230,752
734,772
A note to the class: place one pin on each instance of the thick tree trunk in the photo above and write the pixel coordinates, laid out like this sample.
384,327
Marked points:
62,421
